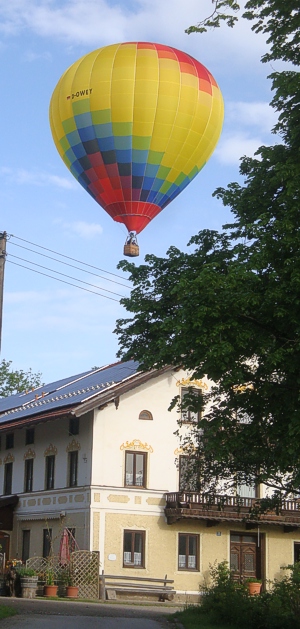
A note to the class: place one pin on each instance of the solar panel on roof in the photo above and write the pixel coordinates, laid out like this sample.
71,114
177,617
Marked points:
25,405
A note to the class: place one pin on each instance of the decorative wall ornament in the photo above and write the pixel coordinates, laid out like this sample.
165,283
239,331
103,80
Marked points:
188,382
136,444
51,450
188,449
9,458
73,446
30,454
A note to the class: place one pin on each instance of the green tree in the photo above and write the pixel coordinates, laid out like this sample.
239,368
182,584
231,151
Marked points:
14,381
231,308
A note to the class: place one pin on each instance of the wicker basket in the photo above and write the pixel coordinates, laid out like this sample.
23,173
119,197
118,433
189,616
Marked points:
131,250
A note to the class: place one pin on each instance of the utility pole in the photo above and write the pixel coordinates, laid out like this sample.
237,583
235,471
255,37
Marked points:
3,238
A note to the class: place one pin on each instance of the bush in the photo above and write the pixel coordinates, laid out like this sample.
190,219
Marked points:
229,602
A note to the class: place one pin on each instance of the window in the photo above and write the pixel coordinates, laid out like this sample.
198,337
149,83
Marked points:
49,471
74,426
145,415
8,472
134,549
296,551
47,542
188,552
9,440
73,468
25,545
29,436
135,469
188,474
194,399
28,475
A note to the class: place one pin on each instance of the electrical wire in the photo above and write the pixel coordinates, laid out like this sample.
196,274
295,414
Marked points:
107,279
62,281
65,275
67,257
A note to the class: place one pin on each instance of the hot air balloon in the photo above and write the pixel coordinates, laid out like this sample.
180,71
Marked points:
135,123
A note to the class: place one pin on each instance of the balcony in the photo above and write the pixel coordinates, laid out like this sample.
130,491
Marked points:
186,505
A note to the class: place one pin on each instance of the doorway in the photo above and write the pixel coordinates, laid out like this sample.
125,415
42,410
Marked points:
246,556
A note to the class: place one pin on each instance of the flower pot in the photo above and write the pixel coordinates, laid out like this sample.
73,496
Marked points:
50,590
28,586
254,588
72,591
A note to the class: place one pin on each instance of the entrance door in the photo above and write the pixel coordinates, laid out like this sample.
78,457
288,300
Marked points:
245,556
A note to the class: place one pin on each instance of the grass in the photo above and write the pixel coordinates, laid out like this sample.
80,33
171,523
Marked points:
5,612
192,618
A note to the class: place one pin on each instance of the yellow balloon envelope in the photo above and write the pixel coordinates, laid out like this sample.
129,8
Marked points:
135,123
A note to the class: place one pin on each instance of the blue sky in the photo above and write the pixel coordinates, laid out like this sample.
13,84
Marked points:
53,327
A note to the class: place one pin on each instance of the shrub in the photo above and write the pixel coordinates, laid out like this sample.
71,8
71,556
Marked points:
229,602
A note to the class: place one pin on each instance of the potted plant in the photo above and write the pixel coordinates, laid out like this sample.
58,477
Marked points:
28,581
254,585
71,590
50,587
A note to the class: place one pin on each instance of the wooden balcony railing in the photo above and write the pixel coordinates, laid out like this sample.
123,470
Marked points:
192,505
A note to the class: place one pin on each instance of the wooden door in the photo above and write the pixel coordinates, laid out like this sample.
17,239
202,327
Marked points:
245,556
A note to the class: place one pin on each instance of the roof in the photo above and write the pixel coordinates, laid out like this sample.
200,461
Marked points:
69,394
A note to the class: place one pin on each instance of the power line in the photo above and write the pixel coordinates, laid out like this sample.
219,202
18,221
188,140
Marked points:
68,257
65,275
62,281
107,279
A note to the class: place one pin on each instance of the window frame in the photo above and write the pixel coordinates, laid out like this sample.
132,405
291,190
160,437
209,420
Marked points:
28,475
136,453
29,436
296,552
9,440
186,567
133,534
49,473
8,478
73,468
188,484
146,415
47,543
188,416
25,544
73,426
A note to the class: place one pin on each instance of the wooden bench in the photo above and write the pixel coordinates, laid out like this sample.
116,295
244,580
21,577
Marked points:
110,584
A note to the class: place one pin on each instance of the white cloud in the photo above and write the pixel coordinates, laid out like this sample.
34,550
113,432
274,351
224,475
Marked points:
232,148
31,56
81,228
256,114
22,176
100,22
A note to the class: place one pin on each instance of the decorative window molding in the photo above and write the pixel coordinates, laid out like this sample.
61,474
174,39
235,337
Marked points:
30,454
188,382
73,446
136,444
145,415
9,458
51,450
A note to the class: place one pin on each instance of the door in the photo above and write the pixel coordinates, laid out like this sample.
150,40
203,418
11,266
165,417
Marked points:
245,556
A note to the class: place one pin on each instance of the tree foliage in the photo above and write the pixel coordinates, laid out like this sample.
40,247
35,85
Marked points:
231,308
14,381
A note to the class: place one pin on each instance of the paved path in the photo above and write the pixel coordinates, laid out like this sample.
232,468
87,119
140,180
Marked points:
79,622
43,614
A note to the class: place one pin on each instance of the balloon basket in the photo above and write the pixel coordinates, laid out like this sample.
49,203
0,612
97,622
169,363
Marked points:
131,250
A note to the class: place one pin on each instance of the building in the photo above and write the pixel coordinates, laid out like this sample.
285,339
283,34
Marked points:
96,453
